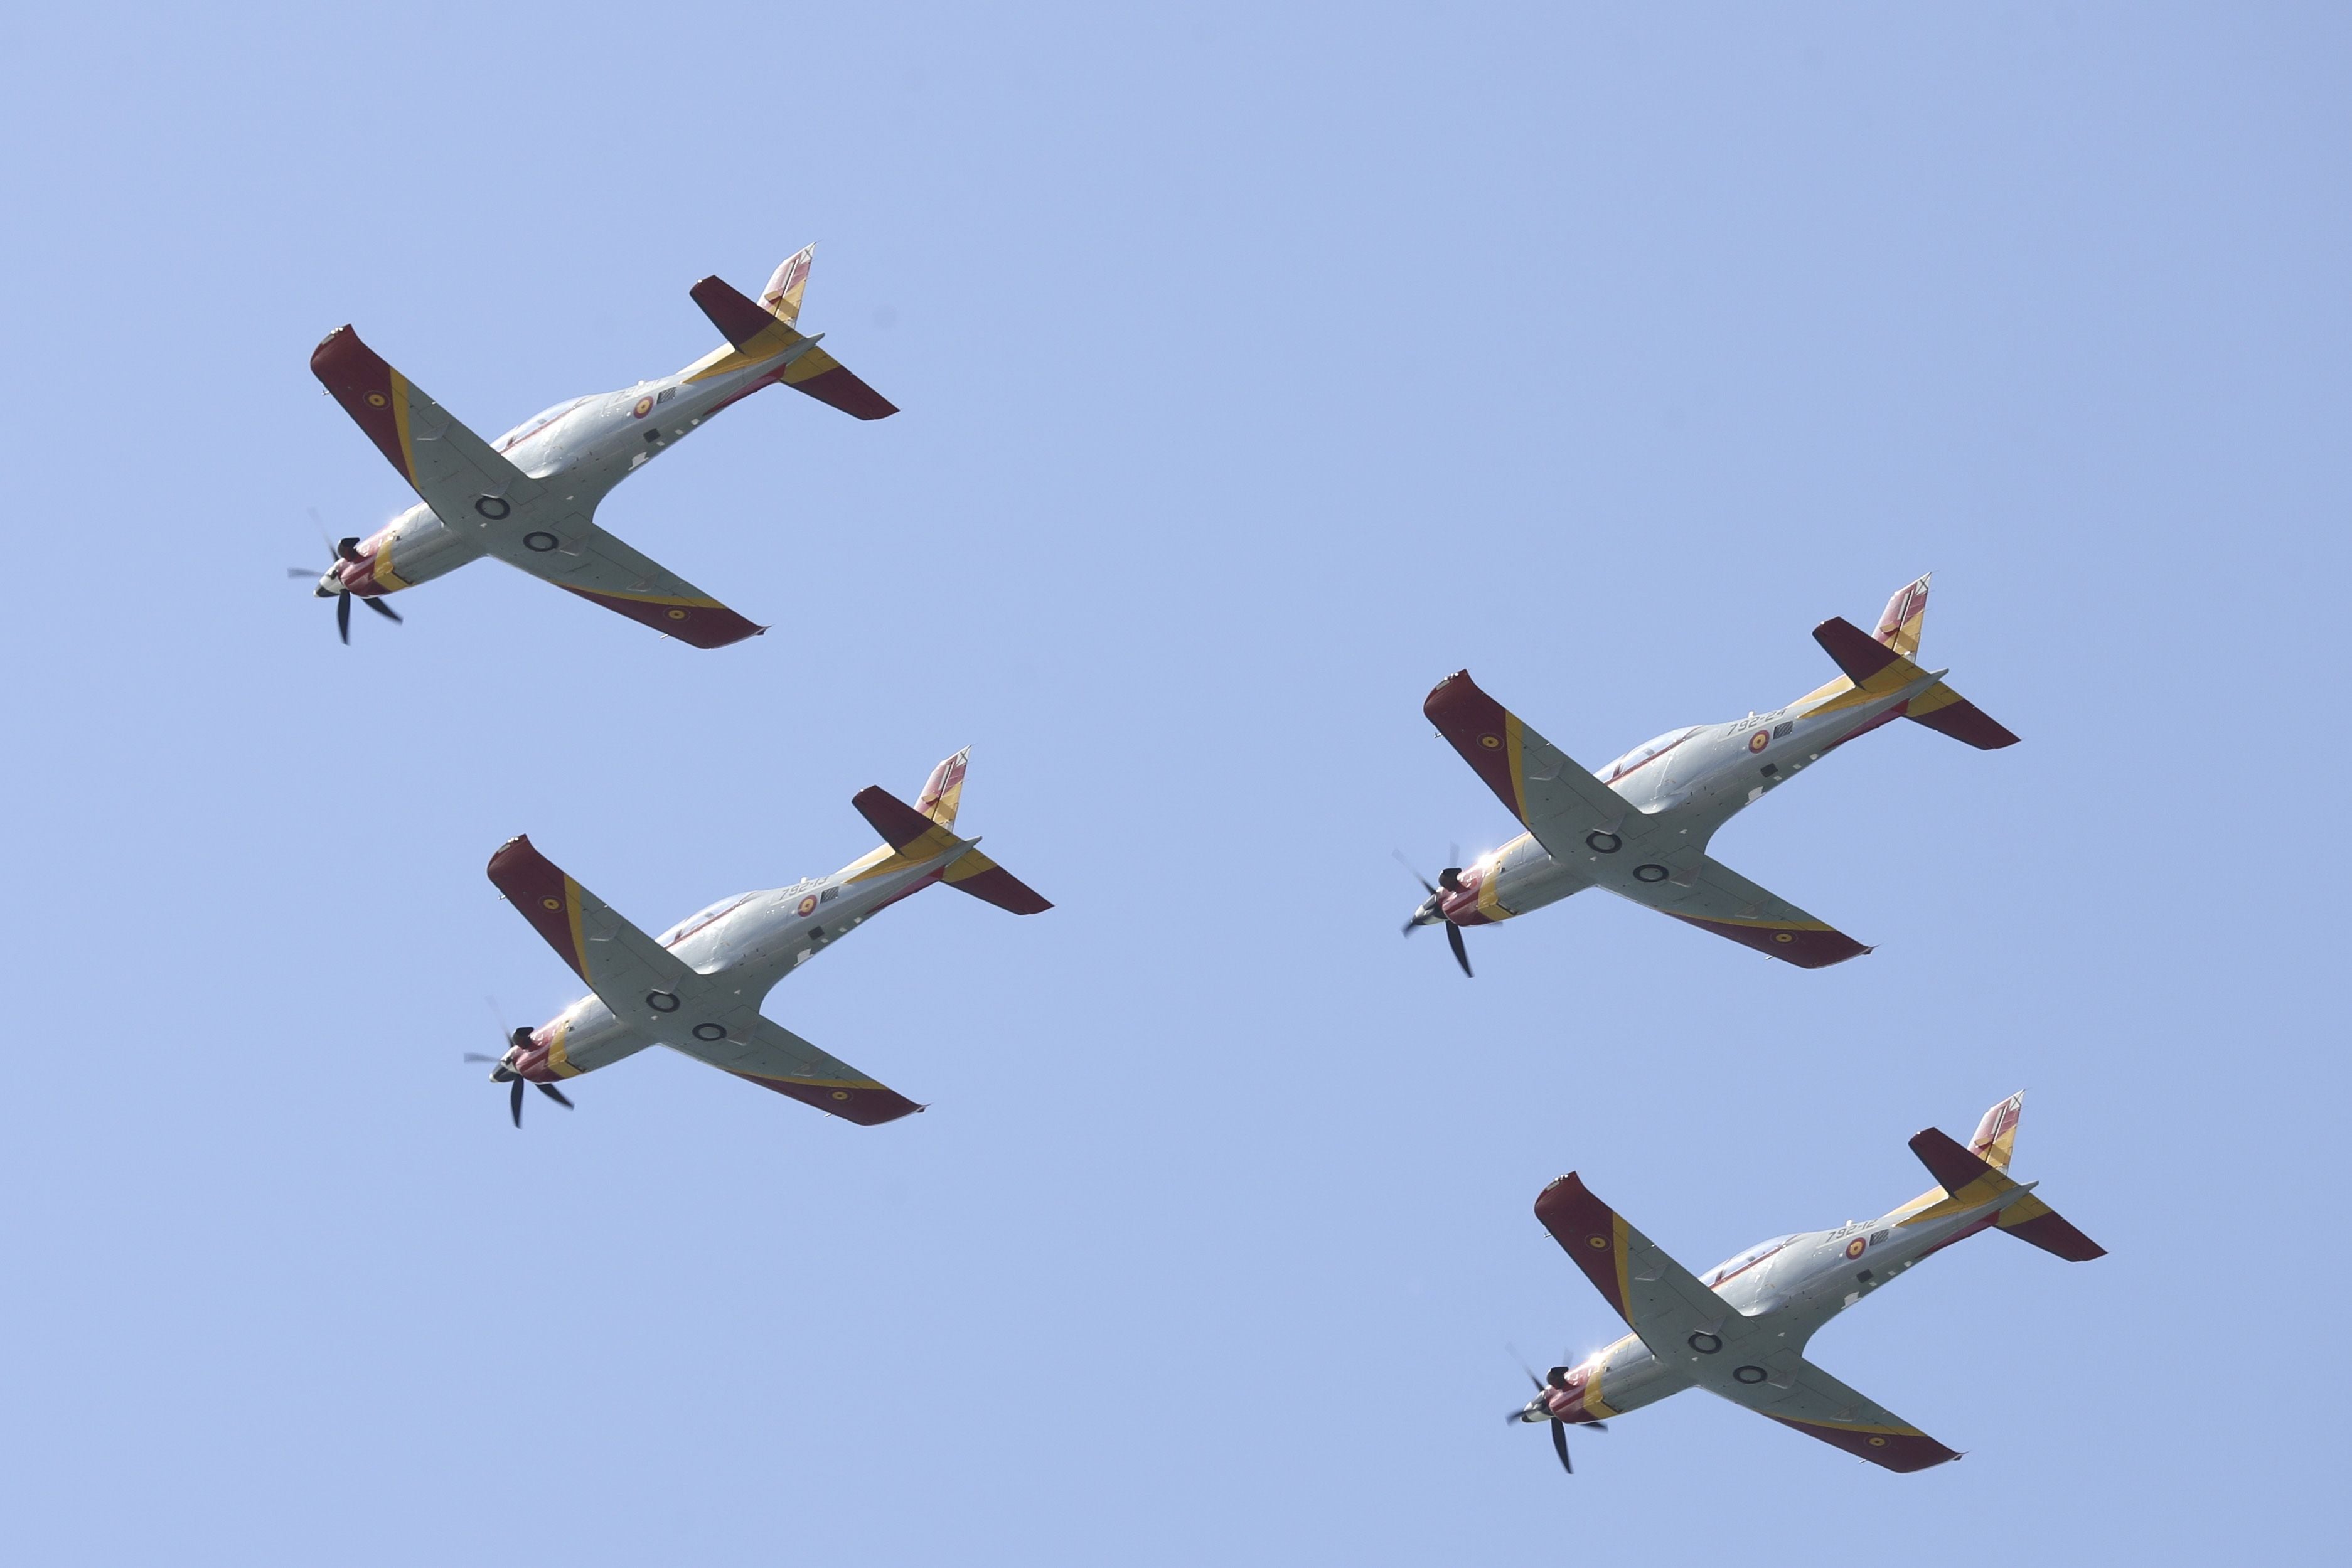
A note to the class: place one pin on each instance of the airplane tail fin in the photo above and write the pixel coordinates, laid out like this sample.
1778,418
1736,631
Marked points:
1984,1165
768,326
1889,658
1898,624
943,791
782,295
926,830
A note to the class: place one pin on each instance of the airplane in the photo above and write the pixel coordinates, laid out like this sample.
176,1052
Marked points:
529,498
1640,826
697,986
1740,1330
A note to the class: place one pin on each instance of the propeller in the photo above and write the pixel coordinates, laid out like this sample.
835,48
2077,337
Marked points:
1537,1410
1433,909
347,549
502,1073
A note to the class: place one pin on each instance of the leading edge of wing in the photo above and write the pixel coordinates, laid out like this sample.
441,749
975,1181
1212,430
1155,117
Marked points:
1554,797
757,1049
1659,1298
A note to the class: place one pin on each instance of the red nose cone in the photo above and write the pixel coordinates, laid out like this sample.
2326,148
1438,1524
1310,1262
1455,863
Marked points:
531,1062
1459,903
1568,1404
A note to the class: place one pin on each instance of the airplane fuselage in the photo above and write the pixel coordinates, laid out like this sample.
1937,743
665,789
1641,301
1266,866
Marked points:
588,443
751,940
1794,1284
1683,786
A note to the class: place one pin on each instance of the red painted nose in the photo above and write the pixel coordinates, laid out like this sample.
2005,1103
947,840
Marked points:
1565,1399
530,1060
1459,902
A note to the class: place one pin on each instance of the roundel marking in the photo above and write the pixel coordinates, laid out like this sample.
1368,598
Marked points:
375,400
1605,843
1596,1241
1749,1374
1784,936
808,904
1854,1247
550,903
540,540
644,406
1653,872
710,1031
1704,1343
841,1093
492,506
677,614
1878,1442
1491,742
1760,740
661,1001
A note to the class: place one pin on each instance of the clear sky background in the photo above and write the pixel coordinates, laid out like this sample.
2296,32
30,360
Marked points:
1260,365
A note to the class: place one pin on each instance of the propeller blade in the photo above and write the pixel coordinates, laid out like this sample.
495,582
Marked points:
1425,887
381,608
343,618
1594,1426
477,1056
1461,953
514,1103
307,573
1560,1445
553,1092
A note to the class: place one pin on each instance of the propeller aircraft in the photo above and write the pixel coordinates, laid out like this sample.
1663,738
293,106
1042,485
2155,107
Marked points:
697,986
1740,1330
529,498
1640,827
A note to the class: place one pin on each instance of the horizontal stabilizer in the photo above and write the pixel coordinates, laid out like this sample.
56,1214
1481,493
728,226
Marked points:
738,319
1956,1170
901,826
2035,1221
1942,709
983,878
1857,653
1953,1167
753,328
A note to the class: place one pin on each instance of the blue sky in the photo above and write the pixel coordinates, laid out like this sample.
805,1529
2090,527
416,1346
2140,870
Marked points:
1261,366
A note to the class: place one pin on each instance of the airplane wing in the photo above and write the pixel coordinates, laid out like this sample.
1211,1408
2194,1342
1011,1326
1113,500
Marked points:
1555,797
649,986
764,1052
1799,1395
1701,891
482,496
1690,1328
1659,1298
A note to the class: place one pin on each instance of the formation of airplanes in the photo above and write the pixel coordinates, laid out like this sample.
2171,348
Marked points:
1640,828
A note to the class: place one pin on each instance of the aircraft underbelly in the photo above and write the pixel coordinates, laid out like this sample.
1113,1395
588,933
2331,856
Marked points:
419,547
1633,1377
596,1039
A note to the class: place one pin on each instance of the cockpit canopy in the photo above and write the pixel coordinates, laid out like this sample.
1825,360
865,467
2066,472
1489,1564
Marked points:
694,923
1748,1259
539,422
1648,751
